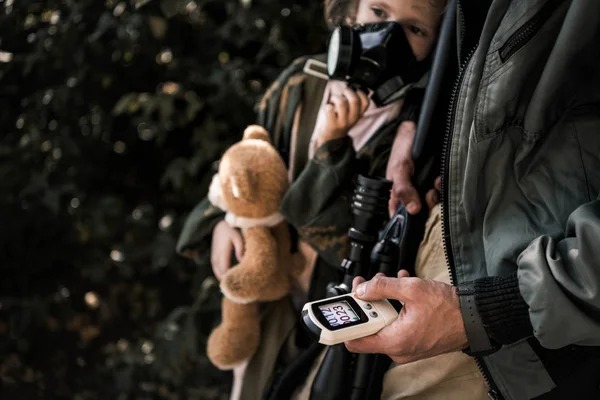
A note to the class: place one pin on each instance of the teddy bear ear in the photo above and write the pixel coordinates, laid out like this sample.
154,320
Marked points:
256,132
243,187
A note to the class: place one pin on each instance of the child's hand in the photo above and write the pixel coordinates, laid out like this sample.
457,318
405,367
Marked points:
342,113
224,240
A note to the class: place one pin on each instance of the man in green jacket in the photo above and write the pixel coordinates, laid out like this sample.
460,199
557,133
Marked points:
521,212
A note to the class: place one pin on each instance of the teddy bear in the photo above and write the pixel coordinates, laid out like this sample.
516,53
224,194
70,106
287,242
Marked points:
249,186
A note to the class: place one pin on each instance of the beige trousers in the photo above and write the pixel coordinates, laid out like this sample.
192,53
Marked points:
445,377
448,376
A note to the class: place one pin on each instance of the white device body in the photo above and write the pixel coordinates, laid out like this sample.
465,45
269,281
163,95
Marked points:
334,320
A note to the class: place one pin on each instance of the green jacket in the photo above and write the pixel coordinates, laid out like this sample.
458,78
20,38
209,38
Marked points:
521,181
317,204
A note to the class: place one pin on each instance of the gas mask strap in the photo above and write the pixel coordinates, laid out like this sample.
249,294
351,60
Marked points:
312,63
385,93
395,88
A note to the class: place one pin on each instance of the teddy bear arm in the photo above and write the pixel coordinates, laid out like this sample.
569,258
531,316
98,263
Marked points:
260,249
258,277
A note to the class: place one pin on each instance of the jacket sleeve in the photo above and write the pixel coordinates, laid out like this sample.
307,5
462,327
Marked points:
565,272
317,203
195,238
554,294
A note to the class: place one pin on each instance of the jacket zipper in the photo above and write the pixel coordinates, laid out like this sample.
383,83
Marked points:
518,39
493,392
446,164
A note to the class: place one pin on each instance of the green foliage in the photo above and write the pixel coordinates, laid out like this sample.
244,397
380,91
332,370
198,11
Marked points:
112,116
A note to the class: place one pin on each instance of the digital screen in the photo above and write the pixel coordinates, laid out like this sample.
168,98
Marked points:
338,313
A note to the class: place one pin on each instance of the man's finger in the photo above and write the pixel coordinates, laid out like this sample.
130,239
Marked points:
432,198
404,191
380,288
378,343
401,360
403,273
401,168
373,344
400,174
357,281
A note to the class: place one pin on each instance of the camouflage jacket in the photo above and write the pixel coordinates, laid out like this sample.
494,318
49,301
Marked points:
317,203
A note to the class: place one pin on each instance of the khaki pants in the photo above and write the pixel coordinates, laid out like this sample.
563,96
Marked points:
448,376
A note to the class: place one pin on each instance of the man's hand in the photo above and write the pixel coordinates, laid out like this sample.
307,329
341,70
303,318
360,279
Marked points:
430,322
400,170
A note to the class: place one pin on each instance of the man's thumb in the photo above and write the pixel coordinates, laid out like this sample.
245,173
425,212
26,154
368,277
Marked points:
380,288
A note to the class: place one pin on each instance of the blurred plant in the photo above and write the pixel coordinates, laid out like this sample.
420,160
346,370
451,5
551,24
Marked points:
112,117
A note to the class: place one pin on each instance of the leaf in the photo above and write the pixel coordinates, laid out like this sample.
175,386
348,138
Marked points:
105,23
196,162
51,200
170,8
175,174
37,184
164,249
124,377
190,337
30,62
141,3
123,105
166,109
158,27
194,106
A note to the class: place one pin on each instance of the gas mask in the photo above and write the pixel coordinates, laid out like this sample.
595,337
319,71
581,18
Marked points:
374,58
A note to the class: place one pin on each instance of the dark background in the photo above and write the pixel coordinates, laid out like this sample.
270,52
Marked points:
112,114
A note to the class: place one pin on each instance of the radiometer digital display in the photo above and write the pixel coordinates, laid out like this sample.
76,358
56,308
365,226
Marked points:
342,318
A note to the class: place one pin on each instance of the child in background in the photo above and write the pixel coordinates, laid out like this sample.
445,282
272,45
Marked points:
329,134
